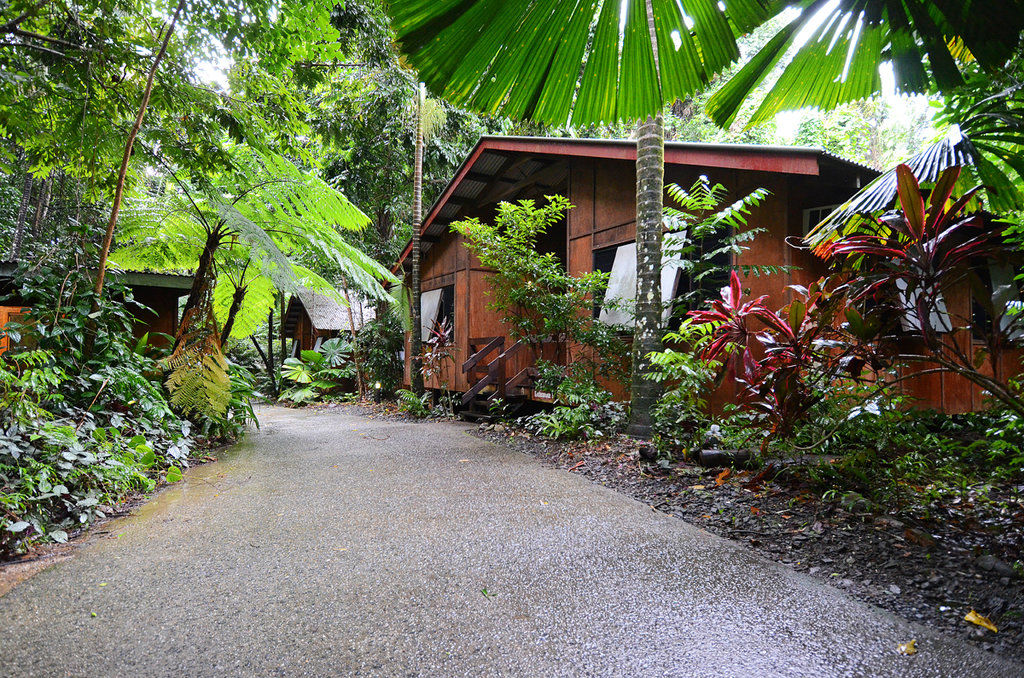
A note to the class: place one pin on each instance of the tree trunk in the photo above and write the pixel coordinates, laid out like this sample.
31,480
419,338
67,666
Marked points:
360,384
123,173
19,228
42,208
416,344
283,339
650,179
199,282
268,364
236,303
271,366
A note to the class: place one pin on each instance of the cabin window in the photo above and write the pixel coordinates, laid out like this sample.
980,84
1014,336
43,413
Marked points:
815,215
1006,294
620,263
437,315
938,320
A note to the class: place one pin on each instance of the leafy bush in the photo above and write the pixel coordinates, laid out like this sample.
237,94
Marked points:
583,407
379,342
412,404
79,429
680,418
536,298
318,374
902,263
788,361
63,458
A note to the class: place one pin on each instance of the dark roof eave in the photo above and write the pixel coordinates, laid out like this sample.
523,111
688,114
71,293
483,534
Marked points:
622,149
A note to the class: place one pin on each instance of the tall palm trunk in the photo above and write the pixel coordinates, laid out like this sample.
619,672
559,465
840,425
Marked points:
416,343
650,192
650,181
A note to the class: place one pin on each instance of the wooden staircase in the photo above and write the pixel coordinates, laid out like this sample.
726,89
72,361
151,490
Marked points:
492,382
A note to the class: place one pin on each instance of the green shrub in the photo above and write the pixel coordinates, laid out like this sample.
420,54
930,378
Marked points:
318,374
583,407
379,342
412,404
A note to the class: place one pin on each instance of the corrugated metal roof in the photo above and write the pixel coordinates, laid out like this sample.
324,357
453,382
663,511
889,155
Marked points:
327,314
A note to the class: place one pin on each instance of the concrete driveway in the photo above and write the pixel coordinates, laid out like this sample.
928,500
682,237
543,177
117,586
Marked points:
333,545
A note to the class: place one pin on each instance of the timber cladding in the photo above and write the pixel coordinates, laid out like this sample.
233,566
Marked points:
599,179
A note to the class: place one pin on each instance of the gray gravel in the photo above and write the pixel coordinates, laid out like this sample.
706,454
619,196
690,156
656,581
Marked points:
331,544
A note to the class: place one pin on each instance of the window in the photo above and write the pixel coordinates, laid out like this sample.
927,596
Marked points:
938,320
620,263
816,215
437,315
621,287
1006,294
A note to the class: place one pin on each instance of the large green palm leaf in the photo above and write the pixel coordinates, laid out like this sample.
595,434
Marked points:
592,61
584,60
837,46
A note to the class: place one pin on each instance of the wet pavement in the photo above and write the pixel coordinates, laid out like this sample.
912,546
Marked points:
331,544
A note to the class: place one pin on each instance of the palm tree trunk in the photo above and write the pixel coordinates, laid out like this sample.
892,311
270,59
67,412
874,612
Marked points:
283,339
416,343
271,366
19,228
650,180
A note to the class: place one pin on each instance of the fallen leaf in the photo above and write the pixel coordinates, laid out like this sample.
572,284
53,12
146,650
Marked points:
722,476
103,583
463,461
697,487
908,648
706,515
755,510
981,621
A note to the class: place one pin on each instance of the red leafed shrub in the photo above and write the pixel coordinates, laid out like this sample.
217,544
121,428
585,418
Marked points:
789,360
918,254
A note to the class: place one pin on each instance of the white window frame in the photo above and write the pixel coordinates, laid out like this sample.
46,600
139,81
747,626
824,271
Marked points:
815,215
430,306
621,287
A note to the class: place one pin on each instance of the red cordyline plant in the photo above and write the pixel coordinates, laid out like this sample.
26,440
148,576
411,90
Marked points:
787,361
916,254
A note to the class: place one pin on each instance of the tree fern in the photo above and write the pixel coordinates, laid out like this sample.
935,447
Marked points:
198,380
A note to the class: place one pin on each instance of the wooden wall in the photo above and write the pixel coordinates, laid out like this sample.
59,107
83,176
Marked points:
161,316
604,215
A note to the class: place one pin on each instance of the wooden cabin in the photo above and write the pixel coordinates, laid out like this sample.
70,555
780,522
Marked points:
156,298
599,179
311,318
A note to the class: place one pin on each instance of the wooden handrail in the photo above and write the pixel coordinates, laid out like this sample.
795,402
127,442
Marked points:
507,353
479,355
524,375
488,379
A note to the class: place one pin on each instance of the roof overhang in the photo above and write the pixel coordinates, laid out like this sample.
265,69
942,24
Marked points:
513,161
